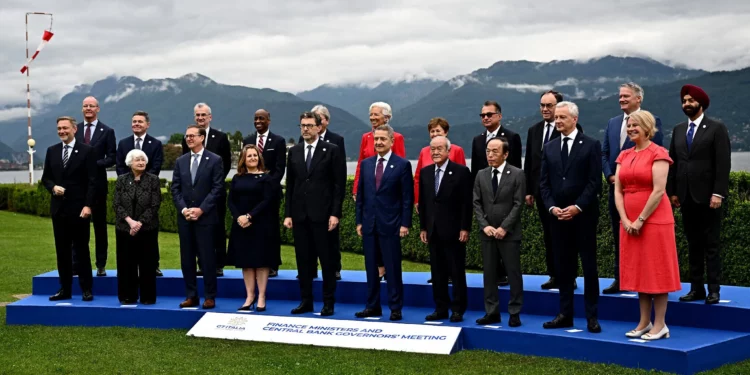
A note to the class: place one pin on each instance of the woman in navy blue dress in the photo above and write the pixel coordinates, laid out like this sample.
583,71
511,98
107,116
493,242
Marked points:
249,201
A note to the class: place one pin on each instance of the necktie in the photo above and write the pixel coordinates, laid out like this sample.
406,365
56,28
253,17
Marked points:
624,132
194,167
65,155
495,181
308,159
565,151
690,135
437,180
138,143
379,173
260,143
548,133
87,135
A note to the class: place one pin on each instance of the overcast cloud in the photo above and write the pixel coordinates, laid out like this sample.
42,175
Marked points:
297,45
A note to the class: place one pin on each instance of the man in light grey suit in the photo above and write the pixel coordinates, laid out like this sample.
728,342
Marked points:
498,197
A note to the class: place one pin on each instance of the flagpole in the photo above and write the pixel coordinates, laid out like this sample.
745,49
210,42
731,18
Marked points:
30,142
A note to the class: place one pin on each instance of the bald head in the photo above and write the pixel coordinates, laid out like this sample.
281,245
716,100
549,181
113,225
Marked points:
90,109
262,120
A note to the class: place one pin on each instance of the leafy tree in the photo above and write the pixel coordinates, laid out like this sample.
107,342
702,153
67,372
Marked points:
171,153
175,139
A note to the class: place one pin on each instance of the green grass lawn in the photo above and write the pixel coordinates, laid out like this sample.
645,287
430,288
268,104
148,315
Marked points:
27,249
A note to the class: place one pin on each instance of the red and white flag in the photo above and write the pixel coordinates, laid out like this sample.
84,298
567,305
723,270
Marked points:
45,39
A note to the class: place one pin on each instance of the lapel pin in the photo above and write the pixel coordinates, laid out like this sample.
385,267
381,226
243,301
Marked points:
206,157
213,135
507,172
450,172
581,142
101,130
76,151
704,126
503,134
149,141
324,149
391,165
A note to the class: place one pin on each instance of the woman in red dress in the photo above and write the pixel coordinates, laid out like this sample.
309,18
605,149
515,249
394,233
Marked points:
437,126
648,251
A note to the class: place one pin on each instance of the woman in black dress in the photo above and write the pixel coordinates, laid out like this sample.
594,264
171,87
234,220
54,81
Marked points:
250,196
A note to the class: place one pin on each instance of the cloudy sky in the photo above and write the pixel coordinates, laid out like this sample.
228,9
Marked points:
297,45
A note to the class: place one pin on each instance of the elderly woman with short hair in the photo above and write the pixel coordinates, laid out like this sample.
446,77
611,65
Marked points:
136,203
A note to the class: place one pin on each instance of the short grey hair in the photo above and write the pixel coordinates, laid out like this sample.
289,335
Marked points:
388,128
572,107
322,110
637,89
133,155
202,105
385,107
440,138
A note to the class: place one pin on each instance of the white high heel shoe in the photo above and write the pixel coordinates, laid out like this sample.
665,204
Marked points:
634,333
664,333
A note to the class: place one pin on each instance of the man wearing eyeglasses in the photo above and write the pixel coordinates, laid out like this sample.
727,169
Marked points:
273,148
491,115
217,142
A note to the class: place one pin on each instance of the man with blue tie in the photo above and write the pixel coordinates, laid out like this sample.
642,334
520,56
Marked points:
385,197
197,183
570,182
615,140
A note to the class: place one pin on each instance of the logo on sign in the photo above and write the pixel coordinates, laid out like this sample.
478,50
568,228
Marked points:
234,324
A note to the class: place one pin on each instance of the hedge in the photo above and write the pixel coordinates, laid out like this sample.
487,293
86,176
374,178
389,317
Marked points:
735,236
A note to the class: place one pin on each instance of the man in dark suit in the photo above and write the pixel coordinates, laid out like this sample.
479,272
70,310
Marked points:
314,195
273,148
698,183
70,175
385,197
151,146
491,115
197,182
615,141
101,137
498,201
571,181
218,143
445,221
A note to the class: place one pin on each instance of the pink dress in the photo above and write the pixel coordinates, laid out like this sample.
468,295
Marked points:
648,261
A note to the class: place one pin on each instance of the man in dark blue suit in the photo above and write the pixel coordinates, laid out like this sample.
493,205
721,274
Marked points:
570,183
385,197
101,137
615,140
149,145
197,183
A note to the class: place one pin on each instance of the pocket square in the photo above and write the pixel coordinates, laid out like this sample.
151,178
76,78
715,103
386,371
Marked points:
269,149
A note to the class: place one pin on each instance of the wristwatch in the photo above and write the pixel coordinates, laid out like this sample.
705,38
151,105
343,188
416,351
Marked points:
641,219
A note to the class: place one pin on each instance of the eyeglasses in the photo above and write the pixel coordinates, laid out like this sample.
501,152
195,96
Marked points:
548,105
202,115
90,106
191,136
307,126
488,114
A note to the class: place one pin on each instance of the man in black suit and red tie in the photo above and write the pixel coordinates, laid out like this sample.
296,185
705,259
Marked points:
70,175
698,183
445,210
217,142
314,195
101,137
273,148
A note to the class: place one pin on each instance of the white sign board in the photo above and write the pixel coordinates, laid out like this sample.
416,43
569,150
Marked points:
357,334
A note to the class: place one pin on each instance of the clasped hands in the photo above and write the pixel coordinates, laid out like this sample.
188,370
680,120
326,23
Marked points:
497,233
566,213
192,214
135,226
244,221
632,228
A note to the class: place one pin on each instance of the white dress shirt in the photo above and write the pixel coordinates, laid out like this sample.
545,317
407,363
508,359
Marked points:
442,172
72,145
572,137
385,163
697,123
547,125
500,171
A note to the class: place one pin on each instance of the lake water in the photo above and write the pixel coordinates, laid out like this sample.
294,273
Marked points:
740,162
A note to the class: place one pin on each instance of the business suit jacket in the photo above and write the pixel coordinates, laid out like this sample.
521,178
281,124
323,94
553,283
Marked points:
504,208
532,163
315,195
205,193
139,201
218,143
151,146
479,150
105,148
579,182
704,170
611,147
448,212
390,207
274,154
78,178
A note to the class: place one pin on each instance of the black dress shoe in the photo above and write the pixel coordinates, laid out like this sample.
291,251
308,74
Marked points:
338,276
593,326
503,281
613,288
367,313
303,307
199,272
436,315
429,281
457,317
273,273
693,296
158,272
712,299
87,296
550,284
560,321
101,272
396,315
128,301
488,319
515,320
60,295
219,272
327,310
